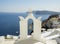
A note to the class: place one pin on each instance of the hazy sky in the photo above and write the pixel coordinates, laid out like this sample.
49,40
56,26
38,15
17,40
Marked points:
25,5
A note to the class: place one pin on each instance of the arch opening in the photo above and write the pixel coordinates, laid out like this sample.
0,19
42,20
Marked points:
30,26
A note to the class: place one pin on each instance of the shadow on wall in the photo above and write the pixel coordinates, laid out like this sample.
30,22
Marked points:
26,41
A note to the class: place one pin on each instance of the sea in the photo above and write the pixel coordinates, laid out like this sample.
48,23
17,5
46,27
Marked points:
9,22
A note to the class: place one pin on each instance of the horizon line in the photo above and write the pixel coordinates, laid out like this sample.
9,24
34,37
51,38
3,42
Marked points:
24,11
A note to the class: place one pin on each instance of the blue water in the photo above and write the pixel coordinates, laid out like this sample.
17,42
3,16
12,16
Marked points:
9,22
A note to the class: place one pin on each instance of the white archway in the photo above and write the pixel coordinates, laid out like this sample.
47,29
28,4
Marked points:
24,27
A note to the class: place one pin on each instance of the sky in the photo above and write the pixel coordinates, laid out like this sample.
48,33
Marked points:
25,5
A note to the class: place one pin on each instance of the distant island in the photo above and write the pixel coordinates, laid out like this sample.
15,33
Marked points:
45,12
